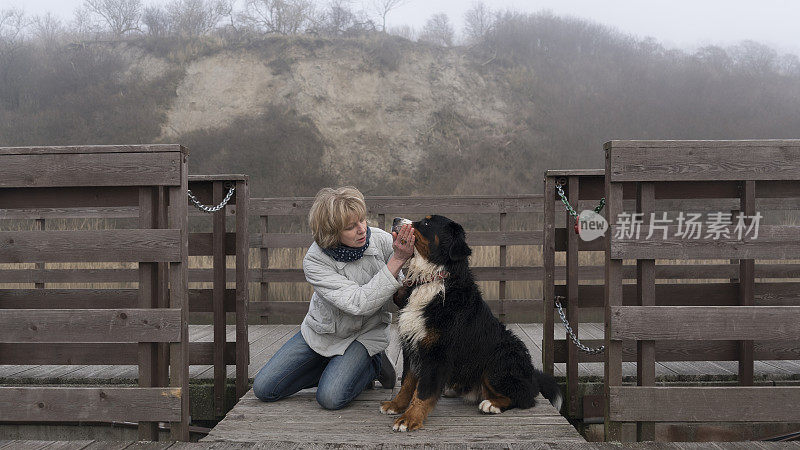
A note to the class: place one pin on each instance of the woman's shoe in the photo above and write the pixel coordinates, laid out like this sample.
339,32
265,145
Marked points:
387,377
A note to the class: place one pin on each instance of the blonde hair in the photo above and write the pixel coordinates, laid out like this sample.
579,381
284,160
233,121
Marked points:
332,210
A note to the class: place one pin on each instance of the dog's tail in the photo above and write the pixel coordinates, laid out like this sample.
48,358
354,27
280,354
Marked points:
549,388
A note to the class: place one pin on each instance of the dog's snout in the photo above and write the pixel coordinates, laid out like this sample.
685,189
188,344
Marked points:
399,222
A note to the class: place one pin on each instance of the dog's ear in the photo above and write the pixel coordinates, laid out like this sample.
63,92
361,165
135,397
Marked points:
458,245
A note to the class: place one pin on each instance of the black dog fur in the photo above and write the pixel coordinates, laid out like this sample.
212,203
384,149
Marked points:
465,347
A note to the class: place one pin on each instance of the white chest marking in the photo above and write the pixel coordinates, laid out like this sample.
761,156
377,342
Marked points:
411,322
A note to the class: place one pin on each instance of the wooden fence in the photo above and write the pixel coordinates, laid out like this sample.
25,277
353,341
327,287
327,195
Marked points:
683,283
477,209
66,327
711,321
109,285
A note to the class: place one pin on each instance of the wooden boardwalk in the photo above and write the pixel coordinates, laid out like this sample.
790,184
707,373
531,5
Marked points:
282,445
266,339
300,419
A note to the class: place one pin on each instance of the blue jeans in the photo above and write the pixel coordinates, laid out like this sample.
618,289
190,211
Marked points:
295,366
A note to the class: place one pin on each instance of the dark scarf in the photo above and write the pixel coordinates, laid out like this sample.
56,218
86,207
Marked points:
344,253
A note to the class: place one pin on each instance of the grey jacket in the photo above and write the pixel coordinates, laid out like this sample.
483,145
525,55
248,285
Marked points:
351,299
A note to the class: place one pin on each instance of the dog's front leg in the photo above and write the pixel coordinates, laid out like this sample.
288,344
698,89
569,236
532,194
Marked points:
401,401
428,391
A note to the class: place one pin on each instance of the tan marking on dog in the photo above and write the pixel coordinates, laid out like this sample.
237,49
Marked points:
416,413
421,245
494,402
400,402
431,337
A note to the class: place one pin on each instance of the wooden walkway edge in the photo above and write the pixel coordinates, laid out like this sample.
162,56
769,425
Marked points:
300,419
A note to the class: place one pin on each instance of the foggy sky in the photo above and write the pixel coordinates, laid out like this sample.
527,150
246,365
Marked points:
685,24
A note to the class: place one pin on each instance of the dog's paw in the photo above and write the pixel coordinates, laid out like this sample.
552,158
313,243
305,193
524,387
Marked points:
487,407
407,423
390,408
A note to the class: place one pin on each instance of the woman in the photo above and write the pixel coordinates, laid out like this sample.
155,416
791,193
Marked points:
354,271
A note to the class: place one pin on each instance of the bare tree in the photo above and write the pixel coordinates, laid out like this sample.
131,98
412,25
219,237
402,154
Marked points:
437,30
384,7
84,23
478,20
121,16
13,23
193,18
279,16
156,20
48,29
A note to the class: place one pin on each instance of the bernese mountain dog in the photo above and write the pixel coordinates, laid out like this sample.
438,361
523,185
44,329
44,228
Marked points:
451,340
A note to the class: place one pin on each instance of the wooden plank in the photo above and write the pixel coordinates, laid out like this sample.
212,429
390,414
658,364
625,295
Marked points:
70,197
91,149
56,404
299,206
705,404
219,267
703,160
200,300
177,218
548,275
193,179
148,296
501,314
202,243
70,213
646,293
242,286
263,224
96,169
693,271
68,298
747,285
95,354
772,242
69,275
474,238
93,245
683,350
515,273
612,299
573,313
90,325
695,294
582,173
704,323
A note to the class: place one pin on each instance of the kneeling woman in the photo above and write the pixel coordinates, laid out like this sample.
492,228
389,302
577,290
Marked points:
353,269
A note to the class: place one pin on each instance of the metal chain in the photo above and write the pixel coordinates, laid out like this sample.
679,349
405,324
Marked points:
569,207
211,209
575,340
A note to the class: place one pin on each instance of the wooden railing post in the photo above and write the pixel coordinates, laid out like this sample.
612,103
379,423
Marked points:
218,297
242,286
572,281
746,285
646,293
264,228
548,279
502,263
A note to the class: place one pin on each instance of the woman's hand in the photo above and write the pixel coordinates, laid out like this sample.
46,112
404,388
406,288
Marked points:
403,244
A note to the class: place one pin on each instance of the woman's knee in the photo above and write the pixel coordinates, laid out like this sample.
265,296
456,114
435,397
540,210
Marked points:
265,389
332,399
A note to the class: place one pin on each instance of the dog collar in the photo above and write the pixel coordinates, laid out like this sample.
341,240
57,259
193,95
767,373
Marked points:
425,280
